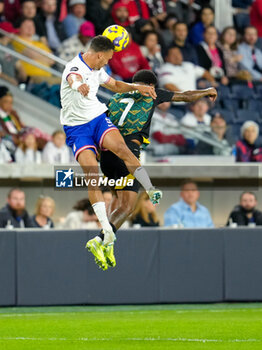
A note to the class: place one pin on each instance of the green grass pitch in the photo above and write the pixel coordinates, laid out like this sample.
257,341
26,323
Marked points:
218,326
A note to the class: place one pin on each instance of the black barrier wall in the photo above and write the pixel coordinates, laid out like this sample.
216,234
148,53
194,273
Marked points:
52,267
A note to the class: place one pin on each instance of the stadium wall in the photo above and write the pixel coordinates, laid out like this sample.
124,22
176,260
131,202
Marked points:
40,267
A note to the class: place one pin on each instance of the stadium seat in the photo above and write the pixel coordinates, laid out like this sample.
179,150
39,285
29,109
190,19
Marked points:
258,89
242,92
235,130
254,105
223,91
231,104
229,116
243,115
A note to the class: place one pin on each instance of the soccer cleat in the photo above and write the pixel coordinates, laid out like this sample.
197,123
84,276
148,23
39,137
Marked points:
109,237
109,255
96,249
154,195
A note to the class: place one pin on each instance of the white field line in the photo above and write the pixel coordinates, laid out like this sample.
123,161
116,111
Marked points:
183,340
36,314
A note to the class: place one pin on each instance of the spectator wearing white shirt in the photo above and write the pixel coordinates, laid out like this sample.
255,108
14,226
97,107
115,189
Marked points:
27,152
166,139
198,117
56,151
77,43
177,75
5,156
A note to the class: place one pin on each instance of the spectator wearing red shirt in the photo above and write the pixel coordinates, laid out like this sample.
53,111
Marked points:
256,16
137,9
120,14
127,62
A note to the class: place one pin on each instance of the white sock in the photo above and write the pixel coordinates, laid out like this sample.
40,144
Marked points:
100,211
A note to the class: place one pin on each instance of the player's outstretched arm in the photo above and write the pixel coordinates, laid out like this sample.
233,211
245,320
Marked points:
120,86
191,96
76,83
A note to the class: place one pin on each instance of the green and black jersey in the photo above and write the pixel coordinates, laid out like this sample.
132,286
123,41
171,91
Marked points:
132,112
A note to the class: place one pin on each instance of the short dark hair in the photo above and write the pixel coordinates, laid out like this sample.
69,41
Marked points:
178,23
145,76
207,7
101,43
84,204
186,182
9,194
248,192
249,27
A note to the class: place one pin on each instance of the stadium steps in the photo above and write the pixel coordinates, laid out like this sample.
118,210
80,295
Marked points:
34,111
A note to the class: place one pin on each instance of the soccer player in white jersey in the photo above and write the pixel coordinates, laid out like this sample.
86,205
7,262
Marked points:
88,128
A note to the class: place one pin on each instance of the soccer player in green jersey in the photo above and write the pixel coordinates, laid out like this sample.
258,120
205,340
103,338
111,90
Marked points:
132,113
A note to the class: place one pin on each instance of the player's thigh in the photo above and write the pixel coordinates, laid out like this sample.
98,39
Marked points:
87,160
114,142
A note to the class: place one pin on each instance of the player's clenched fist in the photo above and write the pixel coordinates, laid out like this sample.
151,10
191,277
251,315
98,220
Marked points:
147,91
212,93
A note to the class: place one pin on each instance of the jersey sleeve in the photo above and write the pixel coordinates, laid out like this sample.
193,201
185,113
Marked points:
163,96
103,76
71,68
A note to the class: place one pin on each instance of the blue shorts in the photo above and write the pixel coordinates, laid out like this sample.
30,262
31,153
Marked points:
88,135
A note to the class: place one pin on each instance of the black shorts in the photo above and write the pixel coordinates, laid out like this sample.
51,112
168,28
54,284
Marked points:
114,168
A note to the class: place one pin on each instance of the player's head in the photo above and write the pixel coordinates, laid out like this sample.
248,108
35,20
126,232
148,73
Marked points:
102,48
145,76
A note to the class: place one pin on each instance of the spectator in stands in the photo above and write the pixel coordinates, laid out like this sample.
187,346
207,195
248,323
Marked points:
14,213
196,34
248,148
120,14
256,16
145,212
228,44
10,123
75,18
198,117
241,14
166,138
12,128
167,31
137,9
140,27
48,26
27,152
45,207
56,151
2,11
246,214
99,13
180,33
28,10
211,57
5,155
26,33
11,68
12,10
217,133
177,75
127,62
188,212
151,50
83,217
77,43
183,11
252,56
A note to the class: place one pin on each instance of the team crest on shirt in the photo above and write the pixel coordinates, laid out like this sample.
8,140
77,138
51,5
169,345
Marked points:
73,69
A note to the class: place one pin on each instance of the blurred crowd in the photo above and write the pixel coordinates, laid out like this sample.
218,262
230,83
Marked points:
187,212
189,44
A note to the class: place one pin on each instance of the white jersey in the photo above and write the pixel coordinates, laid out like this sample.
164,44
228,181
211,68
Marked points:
76,108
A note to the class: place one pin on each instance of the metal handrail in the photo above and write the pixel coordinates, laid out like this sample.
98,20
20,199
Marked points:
32,47
192,133
30,61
